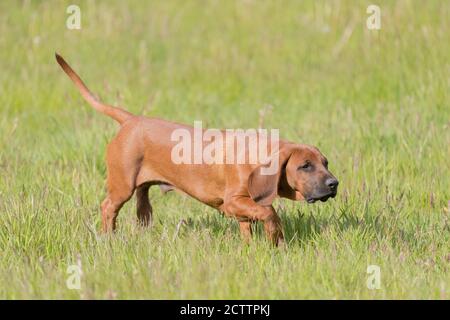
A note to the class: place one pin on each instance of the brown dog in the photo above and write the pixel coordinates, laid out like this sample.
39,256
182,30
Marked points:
141,156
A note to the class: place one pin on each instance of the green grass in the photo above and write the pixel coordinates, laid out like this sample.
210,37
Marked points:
377,104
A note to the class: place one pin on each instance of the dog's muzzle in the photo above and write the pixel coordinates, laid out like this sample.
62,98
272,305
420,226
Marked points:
331,185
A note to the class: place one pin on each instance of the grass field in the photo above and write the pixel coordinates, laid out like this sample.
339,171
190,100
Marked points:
376,103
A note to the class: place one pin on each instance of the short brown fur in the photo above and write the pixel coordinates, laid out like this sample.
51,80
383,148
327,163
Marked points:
140,156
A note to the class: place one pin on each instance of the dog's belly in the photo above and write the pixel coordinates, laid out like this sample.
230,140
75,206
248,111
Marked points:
215,202
203,188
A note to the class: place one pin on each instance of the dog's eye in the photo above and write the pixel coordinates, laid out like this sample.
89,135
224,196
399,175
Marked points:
307,165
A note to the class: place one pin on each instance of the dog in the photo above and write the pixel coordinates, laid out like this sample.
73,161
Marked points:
140,157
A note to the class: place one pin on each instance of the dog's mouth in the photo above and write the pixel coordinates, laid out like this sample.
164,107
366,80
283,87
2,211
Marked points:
321,198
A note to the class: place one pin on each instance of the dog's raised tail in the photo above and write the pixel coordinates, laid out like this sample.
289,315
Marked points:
116,113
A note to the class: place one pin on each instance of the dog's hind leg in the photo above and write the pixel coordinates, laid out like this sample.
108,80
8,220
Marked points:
121,183
143,206
111,206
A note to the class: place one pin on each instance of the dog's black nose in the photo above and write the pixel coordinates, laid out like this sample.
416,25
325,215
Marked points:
332,183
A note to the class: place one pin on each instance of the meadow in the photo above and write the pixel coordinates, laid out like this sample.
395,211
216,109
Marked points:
376,103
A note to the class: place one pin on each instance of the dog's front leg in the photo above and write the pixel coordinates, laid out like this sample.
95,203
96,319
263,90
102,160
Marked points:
246,210
273,228
246,230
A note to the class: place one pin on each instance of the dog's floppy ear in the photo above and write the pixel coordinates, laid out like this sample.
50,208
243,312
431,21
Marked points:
263,188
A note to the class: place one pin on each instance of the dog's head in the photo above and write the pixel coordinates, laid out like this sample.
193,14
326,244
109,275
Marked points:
301,174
